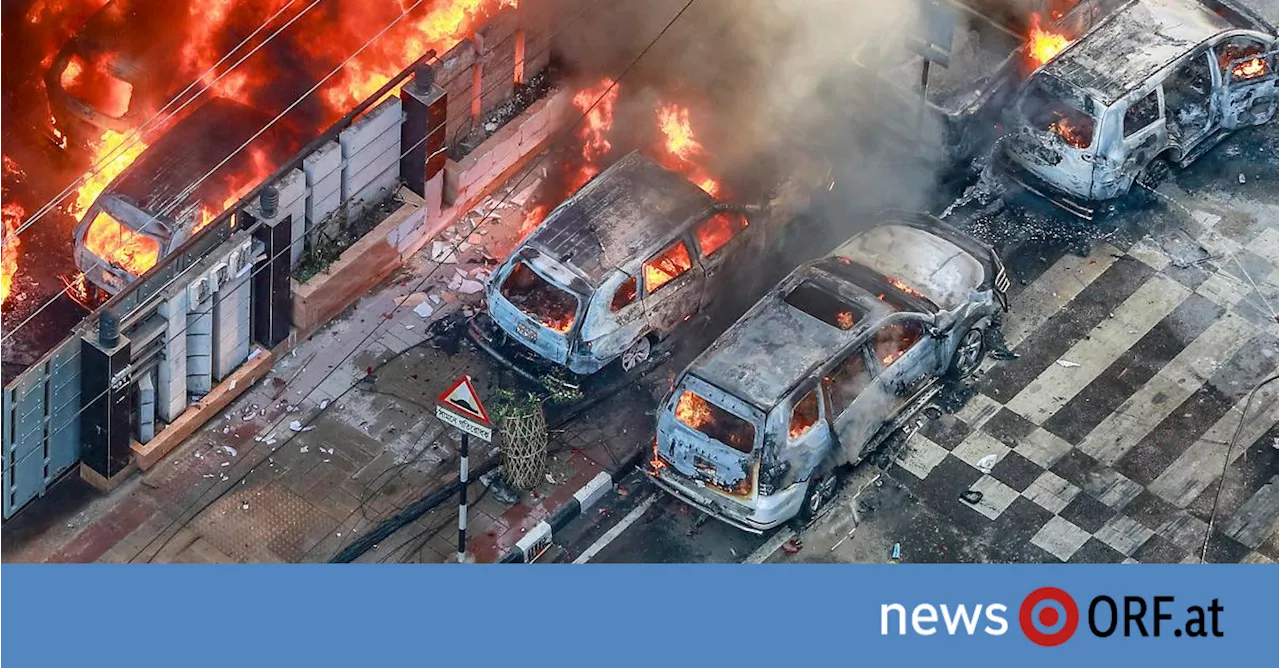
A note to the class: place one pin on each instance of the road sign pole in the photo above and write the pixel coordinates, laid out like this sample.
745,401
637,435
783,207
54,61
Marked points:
462,499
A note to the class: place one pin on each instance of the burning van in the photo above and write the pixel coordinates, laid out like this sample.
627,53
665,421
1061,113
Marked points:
1156,84
114,73
177,186
615,268
819,372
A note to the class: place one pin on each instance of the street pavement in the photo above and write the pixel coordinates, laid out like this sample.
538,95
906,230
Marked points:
1114,432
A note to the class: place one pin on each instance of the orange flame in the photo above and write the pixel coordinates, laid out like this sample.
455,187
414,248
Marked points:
594,130
1043,45
683,147
1069,133
1249,69
903,287
12,213
532,219
112,155
692,410
116,243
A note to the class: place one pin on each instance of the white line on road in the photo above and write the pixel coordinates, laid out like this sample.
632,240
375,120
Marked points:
770,546
616,531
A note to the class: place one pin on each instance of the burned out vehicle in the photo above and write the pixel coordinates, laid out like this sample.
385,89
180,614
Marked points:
115,72
1155,85
175,187
818,373
617,267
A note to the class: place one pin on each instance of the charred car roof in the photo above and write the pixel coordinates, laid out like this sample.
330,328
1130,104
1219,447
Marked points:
1122,52
158,180
619,217
775,345
939,270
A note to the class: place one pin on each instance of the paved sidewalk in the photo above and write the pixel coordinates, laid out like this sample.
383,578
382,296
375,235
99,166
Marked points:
246,488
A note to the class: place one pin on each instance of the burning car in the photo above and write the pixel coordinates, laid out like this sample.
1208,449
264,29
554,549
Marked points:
615,268
817,374
1158,83
111,75
176,187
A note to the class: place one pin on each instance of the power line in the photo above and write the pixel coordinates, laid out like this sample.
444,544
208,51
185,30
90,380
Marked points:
1226,461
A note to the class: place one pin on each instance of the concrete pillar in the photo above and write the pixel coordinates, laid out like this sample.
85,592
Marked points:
200,345
146,407
106,403
231,323
271,295
171,391
422,135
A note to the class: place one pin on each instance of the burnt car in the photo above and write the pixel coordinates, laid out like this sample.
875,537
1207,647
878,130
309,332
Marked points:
837,357
1155,85
617,267
114,73
175,187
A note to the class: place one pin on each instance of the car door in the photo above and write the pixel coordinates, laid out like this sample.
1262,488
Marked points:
720,239
673,285
808,430
857,405
907,360
1247,94
1190,108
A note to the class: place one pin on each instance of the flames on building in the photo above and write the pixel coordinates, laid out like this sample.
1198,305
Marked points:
671,141
119,73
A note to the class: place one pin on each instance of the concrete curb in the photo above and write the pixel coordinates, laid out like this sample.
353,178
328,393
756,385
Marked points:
531,545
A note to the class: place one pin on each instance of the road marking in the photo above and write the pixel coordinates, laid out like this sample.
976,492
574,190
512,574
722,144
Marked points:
1054,289
770,546
1173,384
1089,357
616,531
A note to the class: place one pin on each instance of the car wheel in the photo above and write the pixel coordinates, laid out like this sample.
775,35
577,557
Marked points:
822,489
1150,178
969,354
637,354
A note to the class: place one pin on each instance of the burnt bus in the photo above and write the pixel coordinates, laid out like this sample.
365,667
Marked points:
194,171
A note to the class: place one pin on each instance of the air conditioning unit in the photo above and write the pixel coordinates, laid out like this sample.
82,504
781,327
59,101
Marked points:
221,276
199,290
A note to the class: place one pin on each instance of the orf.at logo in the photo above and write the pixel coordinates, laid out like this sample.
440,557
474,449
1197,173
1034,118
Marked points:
1048,616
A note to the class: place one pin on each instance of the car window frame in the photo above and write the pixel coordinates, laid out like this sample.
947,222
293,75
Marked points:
872,368
904,318
1156,93
674,242
811,386
697,241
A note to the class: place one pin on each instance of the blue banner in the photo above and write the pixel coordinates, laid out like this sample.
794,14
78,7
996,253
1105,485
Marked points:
638,615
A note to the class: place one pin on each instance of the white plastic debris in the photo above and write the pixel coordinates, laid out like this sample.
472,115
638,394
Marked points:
232,386
987,463
435,299
208,475
1068,364
303,450
551,479
1241,178
443,253
291,409
225,464
424,310
244,506
297,426
470,287
324,404
229,450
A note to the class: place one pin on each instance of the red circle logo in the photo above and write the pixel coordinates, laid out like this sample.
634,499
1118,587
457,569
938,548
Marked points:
1048,616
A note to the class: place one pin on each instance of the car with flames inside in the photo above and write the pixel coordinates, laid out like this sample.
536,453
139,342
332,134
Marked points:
194,171
115,72
838,356
1155,85
615,269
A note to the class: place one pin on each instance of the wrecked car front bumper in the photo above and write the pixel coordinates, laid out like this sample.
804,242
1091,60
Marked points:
1013,174
765,513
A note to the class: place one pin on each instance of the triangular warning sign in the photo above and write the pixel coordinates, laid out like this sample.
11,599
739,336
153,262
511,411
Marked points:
463,399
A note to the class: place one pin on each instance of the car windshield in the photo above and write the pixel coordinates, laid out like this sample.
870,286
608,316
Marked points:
714,422
811,298
554,307
1050,112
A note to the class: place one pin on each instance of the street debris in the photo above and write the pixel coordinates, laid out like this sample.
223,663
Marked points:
324,404
297,426
793,546
303,450
971,497
1068,364
411,300
443,253
987,463
423,310
229,450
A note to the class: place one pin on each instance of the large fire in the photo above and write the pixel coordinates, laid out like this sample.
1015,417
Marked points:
683,147
693,410
1043,45
12,214
112,240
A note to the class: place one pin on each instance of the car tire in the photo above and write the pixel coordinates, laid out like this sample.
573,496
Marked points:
1148,181
821,490
634,357
969,354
